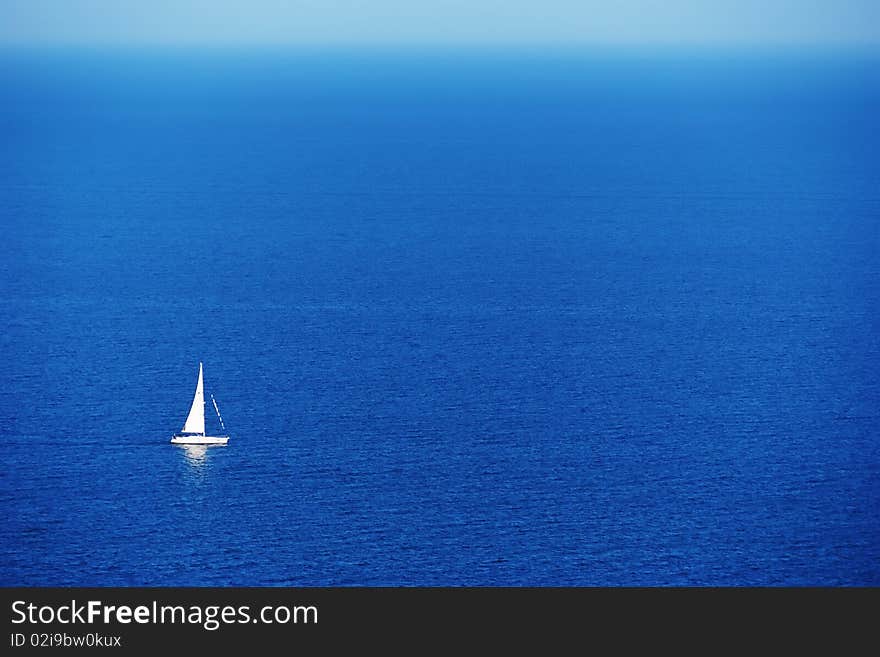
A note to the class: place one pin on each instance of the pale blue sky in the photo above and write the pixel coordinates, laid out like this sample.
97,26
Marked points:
441,22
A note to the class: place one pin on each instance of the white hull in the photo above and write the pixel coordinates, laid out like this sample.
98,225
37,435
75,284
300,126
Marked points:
200,440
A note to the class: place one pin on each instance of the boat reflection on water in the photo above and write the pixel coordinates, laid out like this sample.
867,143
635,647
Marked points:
196,455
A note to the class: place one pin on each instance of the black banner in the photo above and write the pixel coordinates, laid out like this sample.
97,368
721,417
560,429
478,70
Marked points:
136,619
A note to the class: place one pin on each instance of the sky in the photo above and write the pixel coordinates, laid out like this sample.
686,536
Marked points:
441,22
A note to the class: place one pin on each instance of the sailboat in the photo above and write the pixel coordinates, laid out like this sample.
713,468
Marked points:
193,432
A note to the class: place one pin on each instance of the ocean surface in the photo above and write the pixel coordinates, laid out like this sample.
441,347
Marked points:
474,318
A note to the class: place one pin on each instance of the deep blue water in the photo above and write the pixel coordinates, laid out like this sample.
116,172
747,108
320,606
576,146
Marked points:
481,318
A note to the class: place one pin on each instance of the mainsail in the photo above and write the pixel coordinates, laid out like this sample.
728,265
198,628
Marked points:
195,421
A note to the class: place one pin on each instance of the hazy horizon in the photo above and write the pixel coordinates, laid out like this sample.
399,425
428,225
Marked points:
450,23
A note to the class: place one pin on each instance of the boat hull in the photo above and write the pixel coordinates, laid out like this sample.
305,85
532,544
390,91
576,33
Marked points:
199,440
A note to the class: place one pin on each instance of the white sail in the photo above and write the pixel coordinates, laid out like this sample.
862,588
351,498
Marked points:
195,421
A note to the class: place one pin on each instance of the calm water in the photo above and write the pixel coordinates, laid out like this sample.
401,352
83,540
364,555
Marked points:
471,319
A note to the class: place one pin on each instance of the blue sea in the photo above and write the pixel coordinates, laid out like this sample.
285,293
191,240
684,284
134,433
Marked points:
472,318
